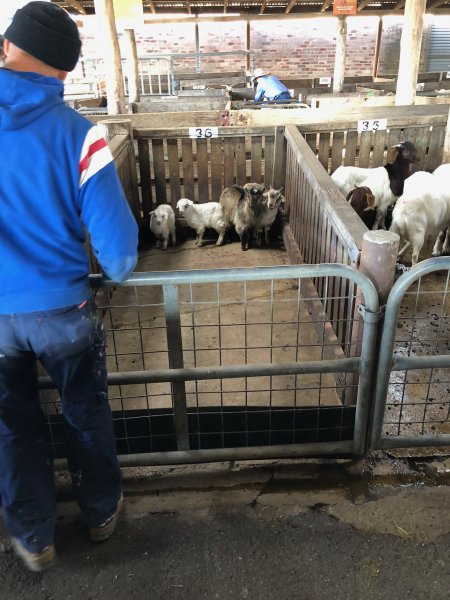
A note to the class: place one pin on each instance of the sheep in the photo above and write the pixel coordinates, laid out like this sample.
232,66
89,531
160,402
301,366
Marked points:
241,208
423,209
442,244
272,200
362,201
386,182
162,224
201,216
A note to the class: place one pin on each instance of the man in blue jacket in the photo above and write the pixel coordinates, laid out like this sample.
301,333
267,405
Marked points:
270,87
57,177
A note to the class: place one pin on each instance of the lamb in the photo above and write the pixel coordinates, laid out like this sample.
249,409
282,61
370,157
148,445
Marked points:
386,182
162,224
201,216
423,209
362,201
272,200
242,207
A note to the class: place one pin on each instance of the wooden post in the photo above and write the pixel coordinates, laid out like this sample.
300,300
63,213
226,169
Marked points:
377,48
131,66
410,44
378,259
339,60
446,150
115,90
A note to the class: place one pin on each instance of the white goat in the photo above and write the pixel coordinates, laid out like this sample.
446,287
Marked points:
162,224
423,209
386,182
442,244
201,216
272,200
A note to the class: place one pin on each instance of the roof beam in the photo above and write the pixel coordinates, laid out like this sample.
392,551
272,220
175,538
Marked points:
325,5
400,4
263,7
363,4
225,6
436,4
77,6
151,6
290,5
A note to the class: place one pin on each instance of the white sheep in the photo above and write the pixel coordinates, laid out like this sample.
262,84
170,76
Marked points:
423,209
201,216
272,200
386,182
162,224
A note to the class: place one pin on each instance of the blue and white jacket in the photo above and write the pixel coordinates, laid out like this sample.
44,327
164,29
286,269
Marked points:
269,87
56,176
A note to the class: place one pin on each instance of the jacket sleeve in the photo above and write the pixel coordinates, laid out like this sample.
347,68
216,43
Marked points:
104,209
259,93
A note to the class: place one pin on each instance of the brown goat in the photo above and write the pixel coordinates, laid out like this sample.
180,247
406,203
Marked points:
362,201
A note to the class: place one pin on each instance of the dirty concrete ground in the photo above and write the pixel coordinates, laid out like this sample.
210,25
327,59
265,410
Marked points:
283,530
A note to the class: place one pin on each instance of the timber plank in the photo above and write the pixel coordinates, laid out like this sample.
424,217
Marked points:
202,170
216,169
159,170
188,168
174,171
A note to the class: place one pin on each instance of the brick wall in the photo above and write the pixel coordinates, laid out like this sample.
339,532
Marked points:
292,48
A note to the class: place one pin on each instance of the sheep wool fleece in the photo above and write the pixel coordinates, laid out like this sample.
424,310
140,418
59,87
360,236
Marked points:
55,183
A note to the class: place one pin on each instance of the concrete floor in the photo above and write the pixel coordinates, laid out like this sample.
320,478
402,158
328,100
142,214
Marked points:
281,530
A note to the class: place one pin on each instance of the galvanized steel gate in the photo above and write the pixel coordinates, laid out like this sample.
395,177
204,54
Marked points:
233,364
412,389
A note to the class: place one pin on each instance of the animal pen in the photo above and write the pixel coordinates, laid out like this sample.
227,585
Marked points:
271,361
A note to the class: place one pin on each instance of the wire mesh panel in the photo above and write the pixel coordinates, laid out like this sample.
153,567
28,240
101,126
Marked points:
412,399
223,359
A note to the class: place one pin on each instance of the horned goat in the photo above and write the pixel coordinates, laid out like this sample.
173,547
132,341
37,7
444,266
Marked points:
241,208
362,201
272,200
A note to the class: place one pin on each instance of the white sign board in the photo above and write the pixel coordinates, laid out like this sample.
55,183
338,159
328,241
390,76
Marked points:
325,80
374,125
203,132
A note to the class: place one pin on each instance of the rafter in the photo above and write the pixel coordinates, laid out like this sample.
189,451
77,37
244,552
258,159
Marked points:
225,6
400,4
325,5
263,7
77,6
363,4
436,4
151,5
290,6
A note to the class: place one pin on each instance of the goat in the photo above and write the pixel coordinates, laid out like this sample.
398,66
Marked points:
272,200
386,182
362,201
241,208
162,224
201,216
423,209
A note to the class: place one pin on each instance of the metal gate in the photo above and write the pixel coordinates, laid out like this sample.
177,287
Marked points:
233,364
412,390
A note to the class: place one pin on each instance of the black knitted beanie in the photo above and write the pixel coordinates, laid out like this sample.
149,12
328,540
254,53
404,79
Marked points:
46,32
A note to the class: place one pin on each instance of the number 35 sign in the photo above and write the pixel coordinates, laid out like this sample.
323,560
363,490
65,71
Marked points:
375,125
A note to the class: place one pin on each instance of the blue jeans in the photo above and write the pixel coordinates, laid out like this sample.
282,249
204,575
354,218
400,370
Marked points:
283,96
70,344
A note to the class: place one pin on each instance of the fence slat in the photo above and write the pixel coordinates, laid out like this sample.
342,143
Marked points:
188,168
216,169
159,169
174,171
202,170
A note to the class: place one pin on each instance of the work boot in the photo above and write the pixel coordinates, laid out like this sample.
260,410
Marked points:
105,530
35,561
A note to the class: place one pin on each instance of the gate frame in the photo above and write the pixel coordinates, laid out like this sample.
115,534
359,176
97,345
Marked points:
388,363
176,373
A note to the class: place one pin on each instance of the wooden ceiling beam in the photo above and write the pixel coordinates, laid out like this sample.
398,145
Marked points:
326,5
225,6
263,7
290,6
436,4
77,6
362,5
400,4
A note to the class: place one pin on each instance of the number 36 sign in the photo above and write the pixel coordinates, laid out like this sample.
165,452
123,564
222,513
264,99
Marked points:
375,125
203,132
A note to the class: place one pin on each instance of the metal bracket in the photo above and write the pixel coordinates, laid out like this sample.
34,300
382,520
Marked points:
370,317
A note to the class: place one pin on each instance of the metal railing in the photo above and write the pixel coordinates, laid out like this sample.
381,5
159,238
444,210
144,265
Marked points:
412,402
221,364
